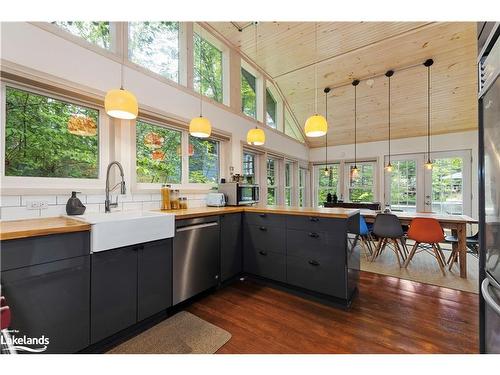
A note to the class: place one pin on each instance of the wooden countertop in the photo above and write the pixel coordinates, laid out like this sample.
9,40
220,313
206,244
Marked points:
303,211
14,229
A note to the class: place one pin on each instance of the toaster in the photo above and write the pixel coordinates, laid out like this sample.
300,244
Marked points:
216,200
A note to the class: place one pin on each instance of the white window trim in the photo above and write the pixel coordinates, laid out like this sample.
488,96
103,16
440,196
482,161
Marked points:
279,108
39,184
256,164
346,171
278,187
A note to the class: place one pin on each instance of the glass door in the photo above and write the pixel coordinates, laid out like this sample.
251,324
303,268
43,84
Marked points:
401,186
448,184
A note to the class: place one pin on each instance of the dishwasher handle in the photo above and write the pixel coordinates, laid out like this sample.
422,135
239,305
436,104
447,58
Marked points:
197,226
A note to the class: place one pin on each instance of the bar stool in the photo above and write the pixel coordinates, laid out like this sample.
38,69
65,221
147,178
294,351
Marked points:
387,228
426,231
363,235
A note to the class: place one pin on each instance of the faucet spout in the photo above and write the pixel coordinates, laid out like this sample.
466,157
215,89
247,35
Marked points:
123,189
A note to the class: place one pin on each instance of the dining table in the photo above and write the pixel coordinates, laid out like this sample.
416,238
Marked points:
456,223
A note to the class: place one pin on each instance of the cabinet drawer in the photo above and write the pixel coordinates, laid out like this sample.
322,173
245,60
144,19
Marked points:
315,224
43,249
256,218
317,245
326,277
265,237
265,264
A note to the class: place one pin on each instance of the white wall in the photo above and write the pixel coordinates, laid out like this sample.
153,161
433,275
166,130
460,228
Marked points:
378,150
29,46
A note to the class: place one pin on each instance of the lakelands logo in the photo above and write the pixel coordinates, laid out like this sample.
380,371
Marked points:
24,343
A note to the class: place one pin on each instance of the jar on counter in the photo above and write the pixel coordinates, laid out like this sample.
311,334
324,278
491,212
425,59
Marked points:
183,203
165,197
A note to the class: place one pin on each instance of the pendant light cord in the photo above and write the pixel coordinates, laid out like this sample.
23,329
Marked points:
316,68
355,124
389,120
428,113
201,75
326,134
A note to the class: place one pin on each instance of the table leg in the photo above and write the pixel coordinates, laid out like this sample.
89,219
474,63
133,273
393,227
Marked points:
462,249
454,245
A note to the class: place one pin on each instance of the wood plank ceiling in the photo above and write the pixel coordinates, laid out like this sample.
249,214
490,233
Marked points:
349,50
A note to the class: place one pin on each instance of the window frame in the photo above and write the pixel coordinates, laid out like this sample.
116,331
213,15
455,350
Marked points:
280,113
276,186
291,187
259,97
317,172
37,184
256,163
346,172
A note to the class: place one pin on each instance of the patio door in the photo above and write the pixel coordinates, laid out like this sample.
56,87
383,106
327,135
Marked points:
445,189
448,184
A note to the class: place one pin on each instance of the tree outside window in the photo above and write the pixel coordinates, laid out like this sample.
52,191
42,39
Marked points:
327,183
207,69
248,96
302,187
361,187
94,32
47,137
404,185
272,189
288,183
155,46
158,154
203,161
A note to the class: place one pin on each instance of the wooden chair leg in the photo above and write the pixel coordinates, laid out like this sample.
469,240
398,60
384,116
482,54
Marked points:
378,250
443,258
397,251
438,258
410,256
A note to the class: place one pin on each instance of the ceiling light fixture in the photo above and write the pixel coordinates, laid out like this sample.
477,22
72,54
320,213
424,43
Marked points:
326,171
316,125
354,170
388,167
121,103
200,127
256,137
428,63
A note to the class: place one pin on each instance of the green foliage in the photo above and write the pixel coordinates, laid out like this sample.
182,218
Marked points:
95,32
204,163
404,184
149,170
447,186
327,183
271,196
361,187
248,96
208,67
155,46
270,109
37,141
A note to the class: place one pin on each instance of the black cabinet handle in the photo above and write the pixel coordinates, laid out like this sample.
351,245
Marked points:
263,253
314,219
313,263
262,215
313,235
264,229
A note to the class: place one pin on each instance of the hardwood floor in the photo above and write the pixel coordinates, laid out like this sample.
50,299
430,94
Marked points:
389,315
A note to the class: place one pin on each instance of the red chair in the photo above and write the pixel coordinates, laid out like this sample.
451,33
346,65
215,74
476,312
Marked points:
426,231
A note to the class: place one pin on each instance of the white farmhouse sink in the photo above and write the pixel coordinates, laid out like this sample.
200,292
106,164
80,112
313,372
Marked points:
118,229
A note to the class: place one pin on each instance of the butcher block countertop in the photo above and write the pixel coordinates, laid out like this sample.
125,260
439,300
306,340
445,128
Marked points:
190,213
10,230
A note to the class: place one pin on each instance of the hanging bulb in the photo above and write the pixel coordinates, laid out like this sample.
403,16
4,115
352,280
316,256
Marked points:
388,167
326,171
354,171
428,164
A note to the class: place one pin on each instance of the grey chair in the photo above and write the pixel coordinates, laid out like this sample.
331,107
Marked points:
389,231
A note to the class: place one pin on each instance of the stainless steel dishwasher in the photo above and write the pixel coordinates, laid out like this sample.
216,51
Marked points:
195,257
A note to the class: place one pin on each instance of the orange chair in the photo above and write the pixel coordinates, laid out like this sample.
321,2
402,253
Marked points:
426,231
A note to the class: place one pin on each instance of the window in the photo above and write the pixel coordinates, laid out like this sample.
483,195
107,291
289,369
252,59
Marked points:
327,183
47,137
203,161
403,183
155,46
208,62
288,183
361,188
248,94
158,154
291,128
272,181
98,33
249,164
447,186
271,110
302,186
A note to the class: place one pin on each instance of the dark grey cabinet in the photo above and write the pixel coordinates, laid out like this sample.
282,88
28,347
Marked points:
46,281
265,263
129,284
154,278
231,254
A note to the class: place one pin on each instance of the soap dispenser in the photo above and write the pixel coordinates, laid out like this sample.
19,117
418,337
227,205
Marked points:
75,205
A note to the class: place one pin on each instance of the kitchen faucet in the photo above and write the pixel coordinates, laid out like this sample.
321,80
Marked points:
123,190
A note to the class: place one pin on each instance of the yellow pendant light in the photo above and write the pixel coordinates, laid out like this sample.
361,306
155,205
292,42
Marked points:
428,163
256,137
316,125
121,103
200,127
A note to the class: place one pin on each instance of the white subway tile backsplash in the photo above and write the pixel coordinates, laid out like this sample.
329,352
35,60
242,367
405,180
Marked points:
142,197
132,206
57,210
10,200
91,208
156,197
63,199
125,198
150,206
16,213
96,198
51,199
